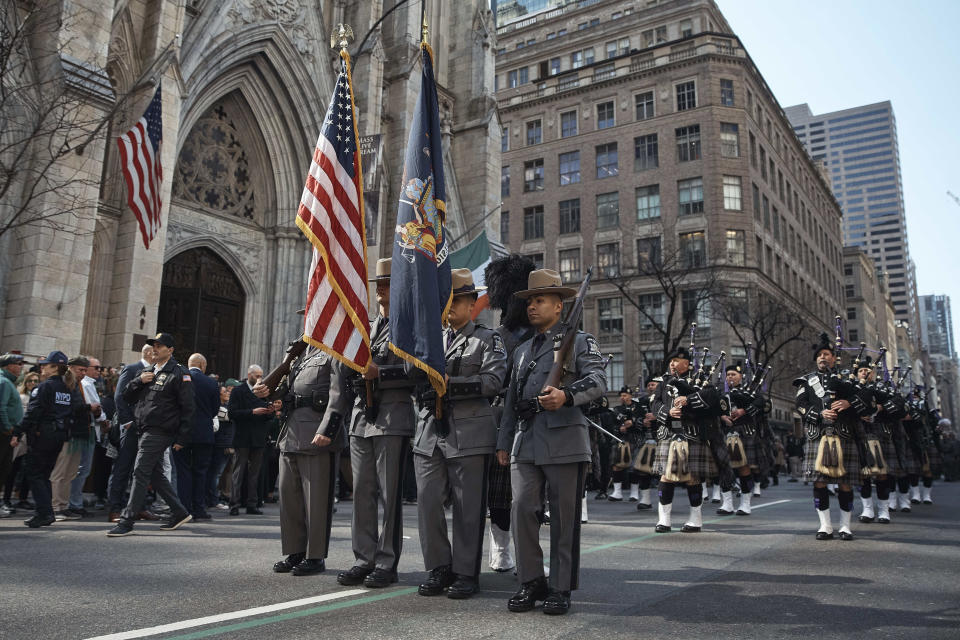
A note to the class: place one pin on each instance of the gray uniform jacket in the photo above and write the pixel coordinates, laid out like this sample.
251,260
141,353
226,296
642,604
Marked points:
476,363
393,392
552,437
309,388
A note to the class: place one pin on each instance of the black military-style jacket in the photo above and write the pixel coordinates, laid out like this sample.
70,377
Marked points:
164,405
813,398
702,408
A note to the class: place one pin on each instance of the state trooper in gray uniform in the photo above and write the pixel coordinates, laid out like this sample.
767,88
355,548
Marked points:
451,455
379,434
547,436
308,469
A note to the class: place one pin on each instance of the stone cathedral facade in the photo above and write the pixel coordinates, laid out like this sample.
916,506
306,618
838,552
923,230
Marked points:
245,85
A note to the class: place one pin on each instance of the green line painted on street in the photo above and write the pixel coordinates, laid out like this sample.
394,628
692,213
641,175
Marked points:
293,615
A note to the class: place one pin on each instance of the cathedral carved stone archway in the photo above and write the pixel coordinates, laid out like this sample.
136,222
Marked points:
202,305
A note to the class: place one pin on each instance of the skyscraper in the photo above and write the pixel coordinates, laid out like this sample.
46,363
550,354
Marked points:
858,147
936,325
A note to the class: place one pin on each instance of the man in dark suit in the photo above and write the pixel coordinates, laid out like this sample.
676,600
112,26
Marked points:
193,461
251,418
127,449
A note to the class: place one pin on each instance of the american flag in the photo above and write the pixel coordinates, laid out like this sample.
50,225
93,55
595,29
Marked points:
140,161
331,216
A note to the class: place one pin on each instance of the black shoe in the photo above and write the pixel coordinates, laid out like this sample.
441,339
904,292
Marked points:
914,501
353,576
905,510
175,522
865,519
252,511
883,520
38,521
203,515
380,578
234,511
724,512
823,535
716,501
741,512
643,507
66,514
309,567
287,564
557,603
439,579
689,528
79,513
846,536
928,501
612,499
463,587
122,528
600,496
526,598
662,528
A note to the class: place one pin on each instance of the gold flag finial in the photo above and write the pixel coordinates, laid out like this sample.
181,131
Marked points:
341,37
425,33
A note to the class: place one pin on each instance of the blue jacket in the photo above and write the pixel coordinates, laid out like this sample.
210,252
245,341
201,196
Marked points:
50,406
206,400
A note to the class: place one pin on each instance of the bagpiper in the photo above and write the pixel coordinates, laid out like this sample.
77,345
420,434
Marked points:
745,407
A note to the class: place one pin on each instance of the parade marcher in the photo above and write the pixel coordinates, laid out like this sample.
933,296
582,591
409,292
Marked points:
193,461
46,426
831,408
879,434
127,437
914,454
645,458
163,395
11,414
740,423
685,413
451,454
308,469
379,434
251,418
544,436
504,277
630,424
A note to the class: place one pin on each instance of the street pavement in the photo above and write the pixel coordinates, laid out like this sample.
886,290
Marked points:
761,576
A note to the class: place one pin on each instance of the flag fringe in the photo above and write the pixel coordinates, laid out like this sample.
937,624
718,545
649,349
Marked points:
436,380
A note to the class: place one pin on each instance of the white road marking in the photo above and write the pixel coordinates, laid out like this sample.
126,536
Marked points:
223,617
769,504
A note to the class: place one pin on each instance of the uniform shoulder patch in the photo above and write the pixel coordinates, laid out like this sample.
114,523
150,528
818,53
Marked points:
593,347
724,405
498,346
187,378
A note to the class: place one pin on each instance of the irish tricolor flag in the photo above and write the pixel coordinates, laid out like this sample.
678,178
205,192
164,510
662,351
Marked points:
475,256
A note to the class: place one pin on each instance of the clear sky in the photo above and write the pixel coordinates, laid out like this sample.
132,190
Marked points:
838,54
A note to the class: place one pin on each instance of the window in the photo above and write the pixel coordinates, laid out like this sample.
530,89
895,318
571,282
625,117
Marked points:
611,49
611,315
851,313
505,227
661,34
605,115
645,153
615,371
536,258
505,140
649,254
607,160
690,195
763,163
753,150
568,124
696,308
766,213
608,210
648,202
570,265
756,203
581,58
848,269
504,182
854,336
608,259
569,168
523,76
569,216
693,252
726,92
554,66
533,175
732,193
729,140
686,28
533,222
644,104
736,248
686,96
534,132
512,79
688,143
651,310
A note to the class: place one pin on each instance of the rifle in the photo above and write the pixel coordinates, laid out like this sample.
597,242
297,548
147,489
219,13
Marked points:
294,350
564,340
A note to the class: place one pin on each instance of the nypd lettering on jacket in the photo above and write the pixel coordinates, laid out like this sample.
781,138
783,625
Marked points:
476,362
551,437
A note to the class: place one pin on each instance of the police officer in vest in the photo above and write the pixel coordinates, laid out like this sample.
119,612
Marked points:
544,435
451,454
379,432
308,468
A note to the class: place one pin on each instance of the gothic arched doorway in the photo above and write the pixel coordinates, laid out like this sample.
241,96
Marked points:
201,304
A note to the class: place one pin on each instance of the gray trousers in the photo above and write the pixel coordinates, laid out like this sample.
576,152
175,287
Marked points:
564,483
461,482
148,470
377,474
246,472
306,503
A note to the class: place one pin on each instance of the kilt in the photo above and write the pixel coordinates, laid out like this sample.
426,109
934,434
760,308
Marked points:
851,464
700,462
890,455
751,446
936,461
914,466
499,493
